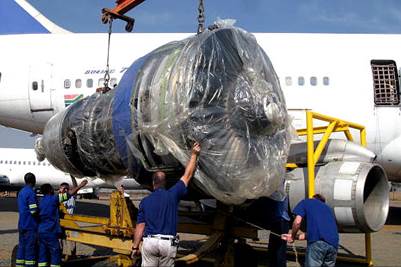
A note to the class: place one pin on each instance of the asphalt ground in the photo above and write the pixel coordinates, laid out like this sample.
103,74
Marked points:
386,243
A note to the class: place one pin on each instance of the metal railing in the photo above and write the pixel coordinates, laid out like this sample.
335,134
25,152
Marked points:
313,155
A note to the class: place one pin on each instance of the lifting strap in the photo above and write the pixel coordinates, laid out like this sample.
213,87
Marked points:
107,73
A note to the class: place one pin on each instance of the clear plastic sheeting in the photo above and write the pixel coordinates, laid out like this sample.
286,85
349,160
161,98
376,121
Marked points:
218,88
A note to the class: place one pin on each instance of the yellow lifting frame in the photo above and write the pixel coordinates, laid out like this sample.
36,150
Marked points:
313,155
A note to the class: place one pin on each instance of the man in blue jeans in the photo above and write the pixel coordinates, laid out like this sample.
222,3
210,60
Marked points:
321,231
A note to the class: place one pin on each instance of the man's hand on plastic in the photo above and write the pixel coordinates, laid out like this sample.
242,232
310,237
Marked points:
196,148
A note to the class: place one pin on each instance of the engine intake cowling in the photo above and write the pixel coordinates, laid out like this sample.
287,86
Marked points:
357,192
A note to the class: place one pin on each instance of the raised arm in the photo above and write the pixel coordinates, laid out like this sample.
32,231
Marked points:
191,165
75,190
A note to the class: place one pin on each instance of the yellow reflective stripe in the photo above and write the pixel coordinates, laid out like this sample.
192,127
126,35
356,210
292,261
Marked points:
62,197
33,206
40,264
19,265
30,262
20,261
54,265
33,211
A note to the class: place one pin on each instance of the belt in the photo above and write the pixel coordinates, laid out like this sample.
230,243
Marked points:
162,237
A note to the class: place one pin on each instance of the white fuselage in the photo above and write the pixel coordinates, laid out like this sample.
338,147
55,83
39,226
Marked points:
16,162
56,63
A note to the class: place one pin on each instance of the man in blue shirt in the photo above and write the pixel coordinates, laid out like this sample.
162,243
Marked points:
27,223
49,224
158,216
321,231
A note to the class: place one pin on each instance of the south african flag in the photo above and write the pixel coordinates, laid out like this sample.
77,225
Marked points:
71,99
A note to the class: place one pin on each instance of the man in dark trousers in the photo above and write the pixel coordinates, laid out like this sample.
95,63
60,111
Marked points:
158,216
321,231
279,224
27,223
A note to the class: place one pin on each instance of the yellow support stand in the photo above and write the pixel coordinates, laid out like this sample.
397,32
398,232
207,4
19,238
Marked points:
313,155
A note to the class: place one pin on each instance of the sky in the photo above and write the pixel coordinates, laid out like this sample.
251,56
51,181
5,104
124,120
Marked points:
331,16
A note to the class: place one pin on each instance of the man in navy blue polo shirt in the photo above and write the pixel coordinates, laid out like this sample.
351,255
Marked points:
158,216
321,231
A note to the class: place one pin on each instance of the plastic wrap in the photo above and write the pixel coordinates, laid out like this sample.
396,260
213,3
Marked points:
218,88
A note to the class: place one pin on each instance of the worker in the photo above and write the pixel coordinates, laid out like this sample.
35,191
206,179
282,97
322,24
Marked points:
279,224
49,224
65,188
27,223
70,206
158,215
321,231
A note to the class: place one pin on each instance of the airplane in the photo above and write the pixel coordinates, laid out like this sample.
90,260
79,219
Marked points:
16,162
44,69
352,76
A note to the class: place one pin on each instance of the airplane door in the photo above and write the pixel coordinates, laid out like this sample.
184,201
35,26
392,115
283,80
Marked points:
40,87
386,93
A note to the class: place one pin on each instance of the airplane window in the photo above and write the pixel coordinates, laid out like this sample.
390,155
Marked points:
386,85
15,162
100,82
78,83
113,82
89,83
313,81
29,163
19,162
34,163
23,162
301,80
0,76
326,81
288,81
35,86
1,162
67,83
6,162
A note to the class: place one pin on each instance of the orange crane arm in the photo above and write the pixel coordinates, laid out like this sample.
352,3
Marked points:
122,7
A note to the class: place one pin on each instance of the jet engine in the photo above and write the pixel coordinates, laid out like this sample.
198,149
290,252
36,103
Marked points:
354,186
218,88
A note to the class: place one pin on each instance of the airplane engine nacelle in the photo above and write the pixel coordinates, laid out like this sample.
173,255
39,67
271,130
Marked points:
357,192
218,88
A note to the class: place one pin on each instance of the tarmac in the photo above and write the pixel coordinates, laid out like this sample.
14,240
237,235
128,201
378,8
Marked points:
386,243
